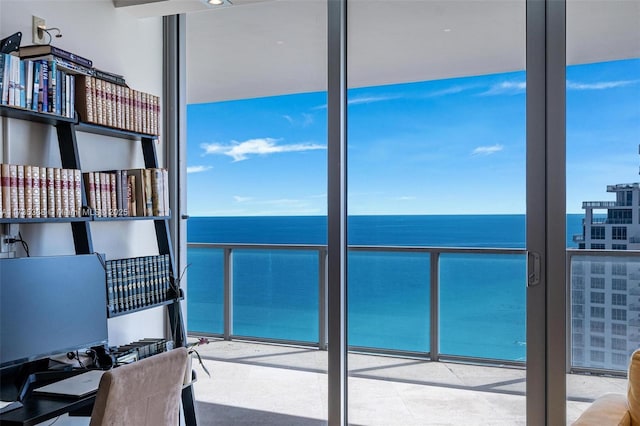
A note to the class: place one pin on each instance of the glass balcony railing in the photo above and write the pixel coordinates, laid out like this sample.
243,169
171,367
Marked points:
449,303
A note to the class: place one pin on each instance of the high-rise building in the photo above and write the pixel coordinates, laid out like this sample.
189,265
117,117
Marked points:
605,290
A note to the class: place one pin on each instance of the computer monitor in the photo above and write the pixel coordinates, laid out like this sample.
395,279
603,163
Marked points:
50,306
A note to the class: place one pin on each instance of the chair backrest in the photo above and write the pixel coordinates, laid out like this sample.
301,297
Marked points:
143,393
633,390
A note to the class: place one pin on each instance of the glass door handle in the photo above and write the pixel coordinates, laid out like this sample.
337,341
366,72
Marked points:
533,269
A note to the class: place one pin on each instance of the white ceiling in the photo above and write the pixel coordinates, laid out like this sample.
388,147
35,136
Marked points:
270,47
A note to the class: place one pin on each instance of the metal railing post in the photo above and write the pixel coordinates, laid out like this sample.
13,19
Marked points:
228,293
322,298
434,349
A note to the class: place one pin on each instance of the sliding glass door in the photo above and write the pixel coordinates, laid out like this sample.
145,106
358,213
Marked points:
436,160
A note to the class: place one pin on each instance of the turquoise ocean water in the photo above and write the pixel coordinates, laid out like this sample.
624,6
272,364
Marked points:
482,296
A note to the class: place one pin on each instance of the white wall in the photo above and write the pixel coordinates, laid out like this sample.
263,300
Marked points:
118,42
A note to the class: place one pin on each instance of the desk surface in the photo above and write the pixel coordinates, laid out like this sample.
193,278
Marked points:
38,408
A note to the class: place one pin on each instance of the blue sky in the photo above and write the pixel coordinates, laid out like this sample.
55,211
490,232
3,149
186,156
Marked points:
454,146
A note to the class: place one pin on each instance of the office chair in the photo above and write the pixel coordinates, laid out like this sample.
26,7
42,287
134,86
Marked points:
143,393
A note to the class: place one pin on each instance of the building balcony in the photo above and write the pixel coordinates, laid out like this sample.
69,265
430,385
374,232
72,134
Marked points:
410,301
254,296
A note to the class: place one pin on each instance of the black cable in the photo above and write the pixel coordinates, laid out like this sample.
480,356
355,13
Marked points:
57,418
25,246
80,361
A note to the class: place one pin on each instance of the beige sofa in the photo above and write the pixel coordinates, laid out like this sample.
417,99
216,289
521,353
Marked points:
617,409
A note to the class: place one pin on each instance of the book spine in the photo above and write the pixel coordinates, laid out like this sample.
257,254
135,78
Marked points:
166,276
124,192
127,108
134,284
77,192
57,184
11,96
51,192
72,96
58,92
28,66
53,84
71,193
155,279
71,57
108,103
21,201
131,195
3,81
22,102
43,192
112,78
35,192
43,103
13,183
36,85
90,189
64,192
119,285
28,192
105,193
110,280
68,112
5,177
96,179
113,188
118,106
129,284
148,190
145,280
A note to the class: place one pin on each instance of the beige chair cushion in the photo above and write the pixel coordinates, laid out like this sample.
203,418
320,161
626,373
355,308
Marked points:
143,393
608,410
633,393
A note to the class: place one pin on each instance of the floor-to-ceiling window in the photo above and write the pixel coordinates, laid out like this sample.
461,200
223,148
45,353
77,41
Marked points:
437,154
436,201
257,148
603,202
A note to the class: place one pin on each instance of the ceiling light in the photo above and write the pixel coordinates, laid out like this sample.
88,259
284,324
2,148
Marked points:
217,2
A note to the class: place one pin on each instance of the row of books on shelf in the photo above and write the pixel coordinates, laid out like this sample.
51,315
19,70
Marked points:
37,85
39,192
112,105
138,282
45,78
133,192
28,192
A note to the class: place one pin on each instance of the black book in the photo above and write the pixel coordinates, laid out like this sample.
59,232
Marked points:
47,49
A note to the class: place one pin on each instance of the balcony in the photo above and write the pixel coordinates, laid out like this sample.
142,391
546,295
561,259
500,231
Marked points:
600,204
258,383
256,295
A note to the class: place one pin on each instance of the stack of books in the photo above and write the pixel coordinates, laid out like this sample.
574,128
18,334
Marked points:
39,192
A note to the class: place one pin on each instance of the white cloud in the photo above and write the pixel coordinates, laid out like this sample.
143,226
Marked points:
407,198
506,88
305,121
240,199
240,151
362,100
370,99
487,150
288,118
449,91
602,85
198,169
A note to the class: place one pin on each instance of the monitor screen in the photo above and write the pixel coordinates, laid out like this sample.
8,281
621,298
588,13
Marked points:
51,305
